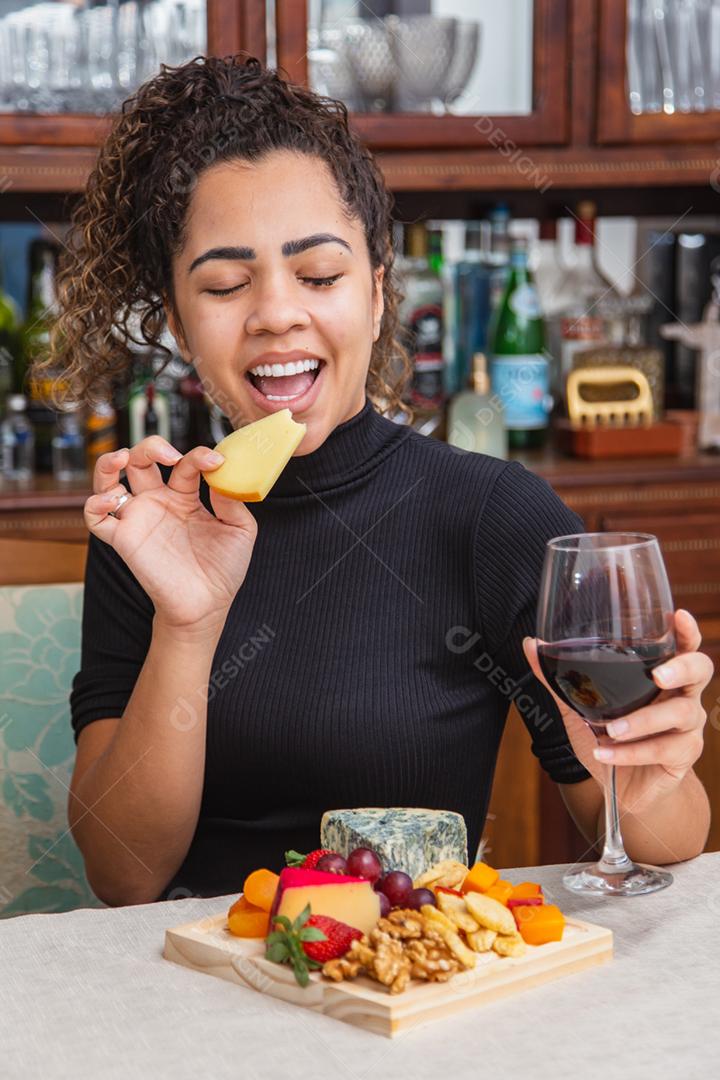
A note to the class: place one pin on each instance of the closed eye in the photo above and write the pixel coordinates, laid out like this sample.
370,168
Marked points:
322,282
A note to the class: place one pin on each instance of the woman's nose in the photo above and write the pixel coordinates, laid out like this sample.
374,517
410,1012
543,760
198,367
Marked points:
276,307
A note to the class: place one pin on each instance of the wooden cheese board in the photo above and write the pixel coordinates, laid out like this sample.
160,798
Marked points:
208,946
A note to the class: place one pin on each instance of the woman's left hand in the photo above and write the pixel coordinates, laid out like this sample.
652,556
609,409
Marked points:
656,745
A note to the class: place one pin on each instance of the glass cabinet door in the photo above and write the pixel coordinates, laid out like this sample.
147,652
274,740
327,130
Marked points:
87,56
433,68
659,71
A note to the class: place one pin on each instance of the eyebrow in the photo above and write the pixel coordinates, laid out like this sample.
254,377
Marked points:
290,247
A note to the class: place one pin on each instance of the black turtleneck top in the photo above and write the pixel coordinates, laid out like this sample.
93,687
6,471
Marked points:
370,656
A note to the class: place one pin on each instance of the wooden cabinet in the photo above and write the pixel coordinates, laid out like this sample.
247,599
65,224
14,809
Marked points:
678,501
578,135
43,537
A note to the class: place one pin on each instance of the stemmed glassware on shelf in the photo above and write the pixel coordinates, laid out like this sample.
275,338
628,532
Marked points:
87,56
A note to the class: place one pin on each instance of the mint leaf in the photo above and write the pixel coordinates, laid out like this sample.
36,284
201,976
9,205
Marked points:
277,952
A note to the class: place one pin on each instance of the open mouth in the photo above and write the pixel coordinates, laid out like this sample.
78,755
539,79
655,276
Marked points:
285,382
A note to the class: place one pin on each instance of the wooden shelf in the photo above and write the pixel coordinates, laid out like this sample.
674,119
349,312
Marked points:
61,170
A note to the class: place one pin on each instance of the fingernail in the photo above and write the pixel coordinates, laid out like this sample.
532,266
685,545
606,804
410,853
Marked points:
665,674
214,459
617,727
172,456
526,639
603,753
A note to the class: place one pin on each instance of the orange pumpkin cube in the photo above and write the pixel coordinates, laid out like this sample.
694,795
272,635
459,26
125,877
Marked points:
479,878
260,888
525,889
540,923
500,891
247,921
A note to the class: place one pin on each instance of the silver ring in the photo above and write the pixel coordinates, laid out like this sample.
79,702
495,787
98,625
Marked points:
121,502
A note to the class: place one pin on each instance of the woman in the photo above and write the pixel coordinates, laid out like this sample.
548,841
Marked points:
351,640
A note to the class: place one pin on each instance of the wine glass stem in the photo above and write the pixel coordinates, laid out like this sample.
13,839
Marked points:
613,859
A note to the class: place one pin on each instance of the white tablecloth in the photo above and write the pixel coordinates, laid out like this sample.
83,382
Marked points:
87,994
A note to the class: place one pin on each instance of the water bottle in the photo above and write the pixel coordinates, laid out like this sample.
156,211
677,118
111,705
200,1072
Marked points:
68,448
18,441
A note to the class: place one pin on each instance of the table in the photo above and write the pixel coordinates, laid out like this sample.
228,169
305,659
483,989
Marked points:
87,994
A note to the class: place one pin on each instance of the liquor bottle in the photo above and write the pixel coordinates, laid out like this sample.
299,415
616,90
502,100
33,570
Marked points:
41,307
454,238
9,346
551,278
475,421
421,316
519,371
473,276
39,387
168,381
68,446
498,257
7,378
151,419
193,393
149,412
18,441
583,320
435,250
101,430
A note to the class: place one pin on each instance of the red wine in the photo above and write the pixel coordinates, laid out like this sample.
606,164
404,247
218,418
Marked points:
602,680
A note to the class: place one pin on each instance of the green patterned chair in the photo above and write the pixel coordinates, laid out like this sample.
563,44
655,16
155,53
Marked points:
41,868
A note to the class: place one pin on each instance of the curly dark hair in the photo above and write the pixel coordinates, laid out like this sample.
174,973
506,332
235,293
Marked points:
130,222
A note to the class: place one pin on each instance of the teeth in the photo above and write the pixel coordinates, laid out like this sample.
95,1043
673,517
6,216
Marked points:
291,368
282,397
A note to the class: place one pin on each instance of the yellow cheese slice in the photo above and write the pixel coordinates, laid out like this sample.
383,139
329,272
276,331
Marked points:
255,456
355,903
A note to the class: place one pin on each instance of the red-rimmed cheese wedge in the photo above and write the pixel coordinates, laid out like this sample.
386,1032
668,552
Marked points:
255,456
351,900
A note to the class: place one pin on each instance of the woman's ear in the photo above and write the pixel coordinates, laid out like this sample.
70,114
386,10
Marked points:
378,300
174,326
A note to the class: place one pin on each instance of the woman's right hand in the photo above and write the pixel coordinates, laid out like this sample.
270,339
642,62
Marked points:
190,563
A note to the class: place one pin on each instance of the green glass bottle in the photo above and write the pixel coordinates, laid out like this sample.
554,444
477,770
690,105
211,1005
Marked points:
41,311
519,368
9,346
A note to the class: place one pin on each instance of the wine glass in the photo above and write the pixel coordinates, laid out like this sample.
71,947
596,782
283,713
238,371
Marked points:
605,620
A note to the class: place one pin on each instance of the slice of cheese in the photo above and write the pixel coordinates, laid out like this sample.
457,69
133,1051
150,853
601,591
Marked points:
255,456
406,838
349,899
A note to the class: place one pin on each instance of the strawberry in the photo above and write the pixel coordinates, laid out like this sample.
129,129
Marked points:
306,862
339,937
308,942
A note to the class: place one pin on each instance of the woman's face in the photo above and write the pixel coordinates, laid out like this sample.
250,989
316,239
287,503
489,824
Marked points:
274,279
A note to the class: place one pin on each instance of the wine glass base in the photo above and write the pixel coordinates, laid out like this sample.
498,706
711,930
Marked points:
591,880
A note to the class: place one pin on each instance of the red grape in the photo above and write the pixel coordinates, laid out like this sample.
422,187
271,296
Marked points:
364,863
418,897
385,905
397,886
332,864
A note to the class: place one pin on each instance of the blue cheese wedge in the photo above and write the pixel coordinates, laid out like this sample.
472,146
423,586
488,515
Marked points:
406,838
